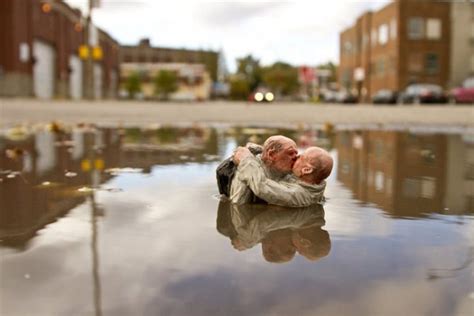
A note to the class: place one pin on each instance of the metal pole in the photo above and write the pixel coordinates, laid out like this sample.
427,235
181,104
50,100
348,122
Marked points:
89,75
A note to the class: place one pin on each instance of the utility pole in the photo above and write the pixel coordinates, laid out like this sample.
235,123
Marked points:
88,56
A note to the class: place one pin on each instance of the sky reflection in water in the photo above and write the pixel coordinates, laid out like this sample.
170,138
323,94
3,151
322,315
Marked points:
115,221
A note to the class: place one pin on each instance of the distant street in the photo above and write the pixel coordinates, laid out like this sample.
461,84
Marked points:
13,111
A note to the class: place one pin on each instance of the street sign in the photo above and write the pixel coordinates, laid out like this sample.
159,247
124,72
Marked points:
83,52
306,74
97,53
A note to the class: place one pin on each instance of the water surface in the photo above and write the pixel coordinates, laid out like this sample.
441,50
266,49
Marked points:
112,221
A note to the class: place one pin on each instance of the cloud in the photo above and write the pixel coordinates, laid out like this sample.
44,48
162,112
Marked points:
298,32
222,14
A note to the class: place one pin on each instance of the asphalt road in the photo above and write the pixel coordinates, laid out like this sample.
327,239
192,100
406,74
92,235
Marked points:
14,111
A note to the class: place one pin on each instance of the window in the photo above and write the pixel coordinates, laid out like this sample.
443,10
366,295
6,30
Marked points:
431,63
393,29
346,77
365,40
348,47
428,187
383,34
345,167
378,149
391,64
373,69
415,63
373,40
433,29
415,28
381,67
379,181
411,187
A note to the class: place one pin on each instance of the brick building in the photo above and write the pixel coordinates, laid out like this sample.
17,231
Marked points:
462,41
404,42
196,70
145,53
408,174
39,52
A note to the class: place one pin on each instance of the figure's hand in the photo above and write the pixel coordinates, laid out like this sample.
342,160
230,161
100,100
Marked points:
237,244
240,154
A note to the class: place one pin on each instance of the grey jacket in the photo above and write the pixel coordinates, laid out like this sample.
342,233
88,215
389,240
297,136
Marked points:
252,178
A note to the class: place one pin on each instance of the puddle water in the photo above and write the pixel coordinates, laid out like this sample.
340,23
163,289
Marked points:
126,222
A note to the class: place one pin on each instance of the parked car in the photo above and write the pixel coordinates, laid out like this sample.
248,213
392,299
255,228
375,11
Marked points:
345,97
328,96
423,93
385,96
464,94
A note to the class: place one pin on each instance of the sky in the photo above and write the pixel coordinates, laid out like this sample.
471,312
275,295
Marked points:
297,32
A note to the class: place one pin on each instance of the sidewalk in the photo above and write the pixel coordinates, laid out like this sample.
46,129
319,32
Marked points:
14,111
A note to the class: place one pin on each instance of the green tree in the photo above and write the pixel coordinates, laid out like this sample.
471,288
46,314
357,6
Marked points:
166,82
133,85
282,78
250,68
239,88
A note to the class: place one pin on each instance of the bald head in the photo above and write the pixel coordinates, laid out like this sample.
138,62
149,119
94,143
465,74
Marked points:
279,153
314,165
276,143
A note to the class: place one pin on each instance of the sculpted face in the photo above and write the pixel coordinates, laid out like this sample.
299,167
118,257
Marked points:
302,164
315,164
299,164
285,159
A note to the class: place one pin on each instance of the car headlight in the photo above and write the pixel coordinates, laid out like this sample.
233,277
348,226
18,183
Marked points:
258,97
269,96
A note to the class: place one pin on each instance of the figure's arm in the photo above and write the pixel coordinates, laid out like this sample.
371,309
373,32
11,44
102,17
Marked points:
279,193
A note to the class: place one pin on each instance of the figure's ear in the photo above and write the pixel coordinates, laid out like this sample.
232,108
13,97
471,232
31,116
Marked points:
271,154
307,170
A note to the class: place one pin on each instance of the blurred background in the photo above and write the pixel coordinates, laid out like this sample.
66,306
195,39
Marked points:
382,52
115,114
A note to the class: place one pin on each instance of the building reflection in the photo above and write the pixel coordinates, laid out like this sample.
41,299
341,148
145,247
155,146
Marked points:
41,174
46,173
282,232
408,174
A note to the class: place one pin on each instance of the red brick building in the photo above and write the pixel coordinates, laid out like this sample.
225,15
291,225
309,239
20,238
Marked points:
403,173
407,41
39,48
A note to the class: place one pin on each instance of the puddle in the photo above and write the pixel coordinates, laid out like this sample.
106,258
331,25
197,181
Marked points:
128,221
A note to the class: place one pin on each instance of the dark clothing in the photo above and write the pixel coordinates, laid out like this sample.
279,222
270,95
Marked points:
224,174
226,170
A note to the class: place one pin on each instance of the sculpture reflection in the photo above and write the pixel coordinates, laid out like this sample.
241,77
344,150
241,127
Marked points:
282,232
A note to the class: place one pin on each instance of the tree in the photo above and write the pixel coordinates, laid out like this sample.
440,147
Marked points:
166,82
239,88
133,85
282,78
249,67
